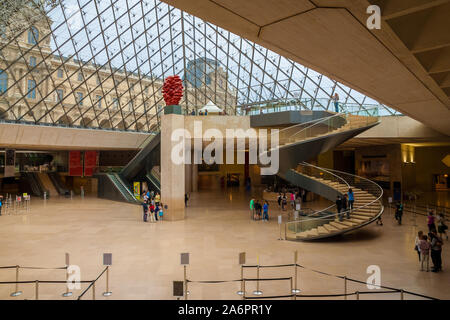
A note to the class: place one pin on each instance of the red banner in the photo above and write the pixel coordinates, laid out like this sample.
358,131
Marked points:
75,164
90,162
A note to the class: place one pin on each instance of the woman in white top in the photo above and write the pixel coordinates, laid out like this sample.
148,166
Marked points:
417,241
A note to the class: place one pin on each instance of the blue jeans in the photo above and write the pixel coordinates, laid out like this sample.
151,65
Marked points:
336,106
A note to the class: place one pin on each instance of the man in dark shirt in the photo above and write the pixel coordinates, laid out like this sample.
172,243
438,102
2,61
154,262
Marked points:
339,207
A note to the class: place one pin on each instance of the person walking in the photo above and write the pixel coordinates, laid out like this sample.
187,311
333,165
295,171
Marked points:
351,199
442,227
436,251
430,221
292,200
399,213
145,209
339,207
416,243
265,211
345,206
279,199
252,208
424,247
283,202
186,198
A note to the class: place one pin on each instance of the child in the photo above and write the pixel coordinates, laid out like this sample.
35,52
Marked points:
424,247
161,213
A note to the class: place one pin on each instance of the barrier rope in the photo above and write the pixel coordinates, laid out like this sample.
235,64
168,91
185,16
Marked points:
92,283
33,268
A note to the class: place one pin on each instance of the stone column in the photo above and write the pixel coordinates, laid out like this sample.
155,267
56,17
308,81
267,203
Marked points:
172,175
194,177
188,178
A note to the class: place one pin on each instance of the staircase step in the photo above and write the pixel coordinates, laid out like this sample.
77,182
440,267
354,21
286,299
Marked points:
346,222
338,225
330,228
322,230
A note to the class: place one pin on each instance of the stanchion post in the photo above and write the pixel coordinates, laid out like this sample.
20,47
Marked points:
295,290
357,295
185,283
185,262
107,261
37,289
292,290
345,288
67,293
402,295
257,292
243,289
242,262
93,290
17,292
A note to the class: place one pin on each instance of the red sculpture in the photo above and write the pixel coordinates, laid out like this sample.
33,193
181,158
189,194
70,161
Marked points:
172,90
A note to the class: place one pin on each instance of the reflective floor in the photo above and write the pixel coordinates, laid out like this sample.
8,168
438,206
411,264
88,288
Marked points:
146,256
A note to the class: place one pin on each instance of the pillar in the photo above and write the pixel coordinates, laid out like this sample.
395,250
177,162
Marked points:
172,175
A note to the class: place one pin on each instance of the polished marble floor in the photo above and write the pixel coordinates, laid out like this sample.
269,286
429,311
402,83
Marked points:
146,256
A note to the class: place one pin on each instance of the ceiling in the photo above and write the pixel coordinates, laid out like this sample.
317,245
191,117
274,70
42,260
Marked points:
404,65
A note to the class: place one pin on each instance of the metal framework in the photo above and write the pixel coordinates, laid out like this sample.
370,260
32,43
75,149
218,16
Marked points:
101,64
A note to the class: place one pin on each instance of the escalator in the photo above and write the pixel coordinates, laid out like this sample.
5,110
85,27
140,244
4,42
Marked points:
117,186
47,184
123,190
58,183
35,185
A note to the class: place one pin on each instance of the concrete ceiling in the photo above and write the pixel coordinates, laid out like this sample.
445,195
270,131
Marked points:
405,64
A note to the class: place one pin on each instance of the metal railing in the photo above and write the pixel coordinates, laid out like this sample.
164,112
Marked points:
292,228
315,128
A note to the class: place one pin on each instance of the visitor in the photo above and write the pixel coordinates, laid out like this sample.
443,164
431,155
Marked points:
345,205
351,199
157,208
336,102
193,112
283,202
252,208
157,199
206,112
258,208
186,198
442,227
399,213
145,197
417,241
292,200
151,194
145,208
161,213
436,251
200,113
430,221
424,247
1,205
279,199
265,211
339,207
152,212
303,195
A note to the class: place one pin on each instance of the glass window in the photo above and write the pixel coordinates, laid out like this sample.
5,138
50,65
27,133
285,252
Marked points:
32,61
33,35
31,89
59,95
115,103
60,73
80,76
98,80
3,81
3,32
130,106
99,101
80,98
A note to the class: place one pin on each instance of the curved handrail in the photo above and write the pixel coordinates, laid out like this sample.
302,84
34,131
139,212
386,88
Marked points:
377,198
